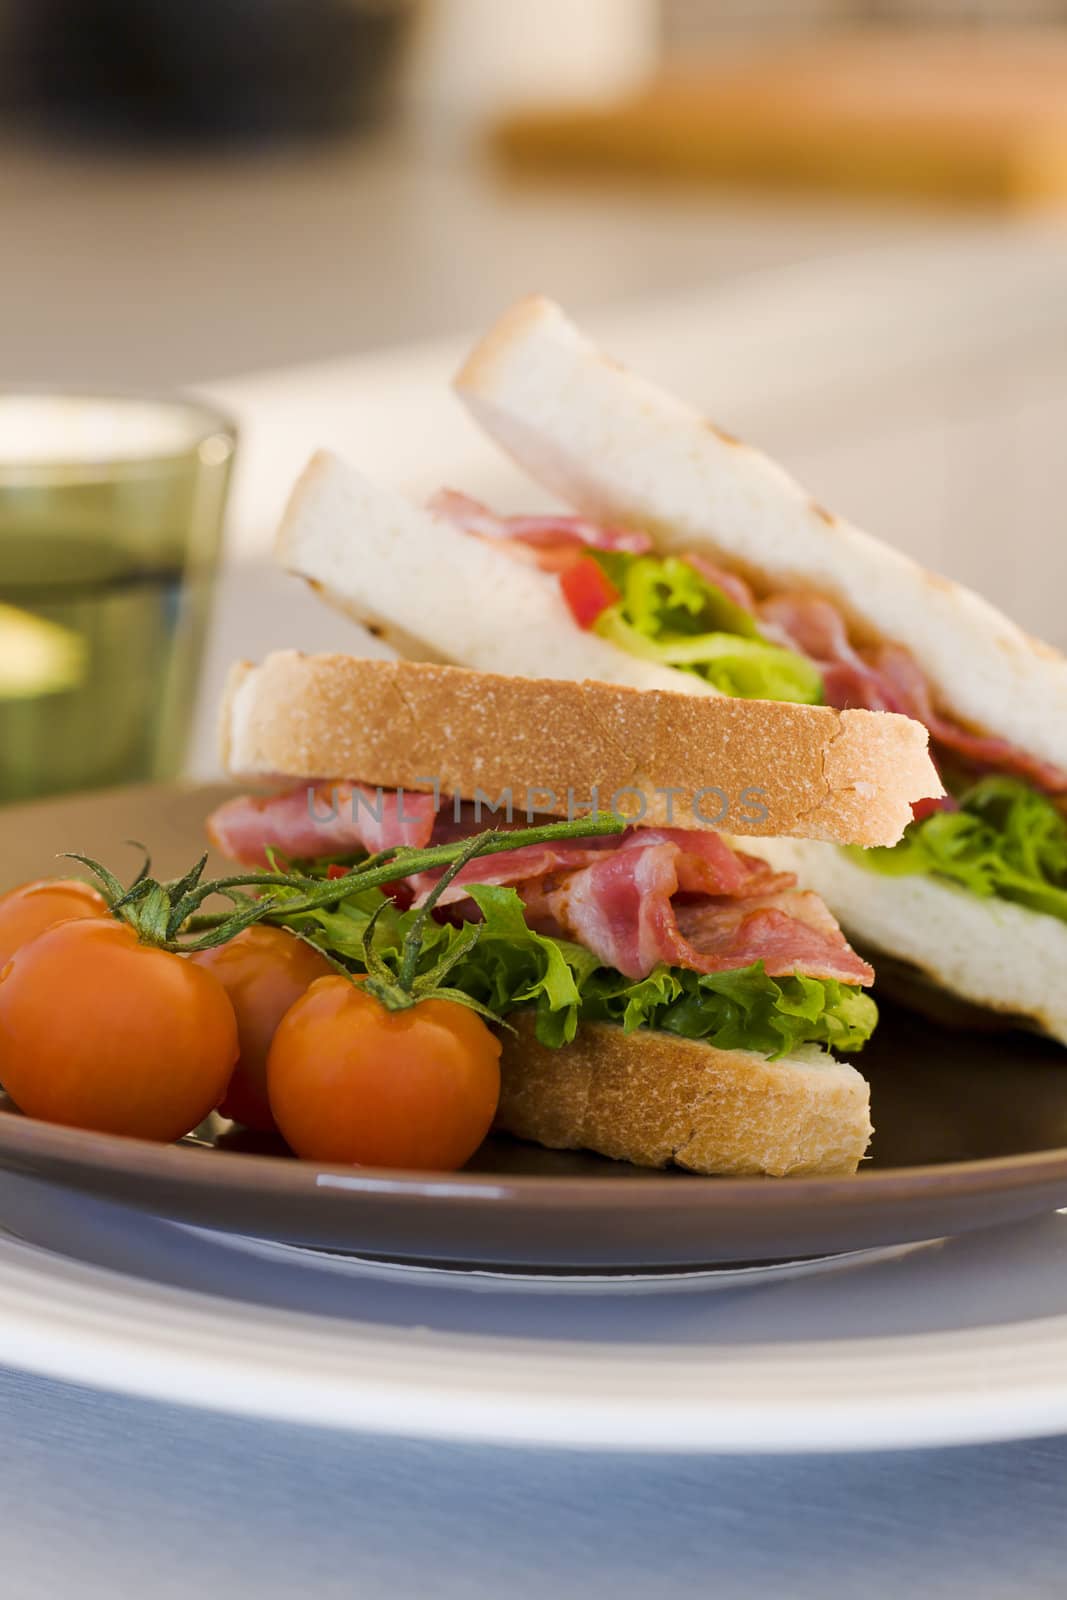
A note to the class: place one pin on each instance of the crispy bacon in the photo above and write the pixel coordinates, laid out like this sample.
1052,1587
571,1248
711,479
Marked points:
622,908
732,586
705,864
886,677
323,819
815,628
984,752
636,899
529,864
549,540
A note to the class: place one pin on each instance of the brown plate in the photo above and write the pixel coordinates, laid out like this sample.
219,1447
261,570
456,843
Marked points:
972,1131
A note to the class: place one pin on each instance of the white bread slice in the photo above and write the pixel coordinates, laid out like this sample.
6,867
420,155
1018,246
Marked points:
847,776
654,1099
616,447
993,953
436,594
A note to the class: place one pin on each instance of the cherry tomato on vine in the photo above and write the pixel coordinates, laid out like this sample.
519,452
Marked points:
263,970
351,1081
34,907
98,1030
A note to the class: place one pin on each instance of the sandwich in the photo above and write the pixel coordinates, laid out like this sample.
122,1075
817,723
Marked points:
664,994
687,560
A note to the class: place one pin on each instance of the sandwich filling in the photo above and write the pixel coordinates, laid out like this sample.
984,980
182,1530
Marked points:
1001,828
654,927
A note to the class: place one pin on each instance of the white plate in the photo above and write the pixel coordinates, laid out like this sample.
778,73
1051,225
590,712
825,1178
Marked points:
960,1341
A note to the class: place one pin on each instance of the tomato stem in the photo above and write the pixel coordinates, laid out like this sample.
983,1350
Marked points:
414,940
162,912
316,894
397,991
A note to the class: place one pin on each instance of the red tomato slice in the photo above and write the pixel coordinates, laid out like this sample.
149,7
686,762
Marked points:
921,809
587,590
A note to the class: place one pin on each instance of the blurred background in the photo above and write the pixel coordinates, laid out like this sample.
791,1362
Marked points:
841,225
192,189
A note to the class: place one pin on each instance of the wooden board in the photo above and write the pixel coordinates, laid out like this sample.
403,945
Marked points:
961,118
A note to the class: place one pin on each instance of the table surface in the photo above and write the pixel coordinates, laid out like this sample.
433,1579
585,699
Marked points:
169,274
102,1497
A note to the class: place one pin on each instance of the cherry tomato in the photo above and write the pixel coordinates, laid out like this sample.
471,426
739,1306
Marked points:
32,907
263,970
351,1081
100,1031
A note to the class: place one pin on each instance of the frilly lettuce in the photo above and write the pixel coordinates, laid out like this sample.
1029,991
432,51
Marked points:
1006,842
671,614
513,966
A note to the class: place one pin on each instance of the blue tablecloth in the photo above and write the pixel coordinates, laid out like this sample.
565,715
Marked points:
103,1496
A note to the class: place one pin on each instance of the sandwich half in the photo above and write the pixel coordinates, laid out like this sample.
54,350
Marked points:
665,995
687,559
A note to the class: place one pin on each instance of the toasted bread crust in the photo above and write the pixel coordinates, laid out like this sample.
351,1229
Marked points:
654,1099
846,776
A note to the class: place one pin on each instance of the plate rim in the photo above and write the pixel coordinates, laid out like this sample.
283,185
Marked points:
241,1170
75,1321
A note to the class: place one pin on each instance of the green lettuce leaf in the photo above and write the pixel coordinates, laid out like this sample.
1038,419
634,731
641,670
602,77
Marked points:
1006,842
741,1010
671,614
513,966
